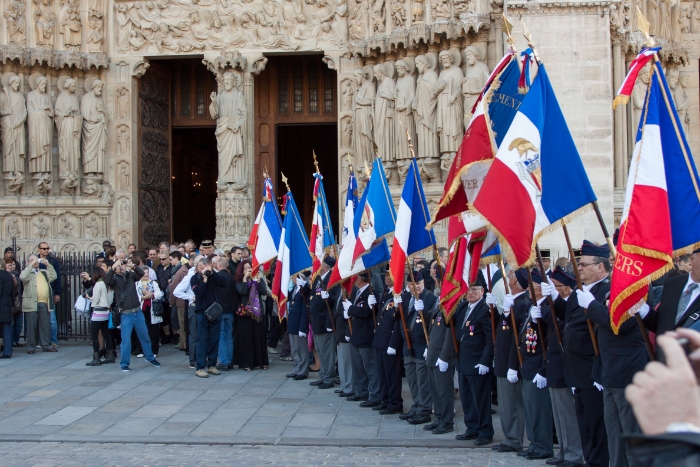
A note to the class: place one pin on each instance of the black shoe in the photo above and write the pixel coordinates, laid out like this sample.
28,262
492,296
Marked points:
5,356
419,419
95,360
110,357
554,461
318,382
407,415
466,436
523,453
355,398
369,403
290,375
506,448
299,377
389,411
432,426
380,407
535,456
326,386
338,391
337,381
442,428
223,367
482,441
346,394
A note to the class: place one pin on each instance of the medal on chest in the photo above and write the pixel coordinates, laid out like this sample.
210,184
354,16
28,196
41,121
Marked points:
438,320
505,325
531,338
318,290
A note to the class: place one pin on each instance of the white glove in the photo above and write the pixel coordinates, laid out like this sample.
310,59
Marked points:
535,313
642,310
490,299
442,365
483,369
397,300
329,330
371,300
300,282
425,353
419,305
390,351
549,289
508,301
347,338
302,334
540,381
345,314
324,294
584,298
512,376
346,307
598,386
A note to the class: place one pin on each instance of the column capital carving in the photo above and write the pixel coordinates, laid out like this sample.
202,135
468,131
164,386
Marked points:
140,68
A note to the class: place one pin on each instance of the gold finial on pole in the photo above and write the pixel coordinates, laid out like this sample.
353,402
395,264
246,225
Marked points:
643,27
284,180
265,176
410,143
508,28
315,161
530,43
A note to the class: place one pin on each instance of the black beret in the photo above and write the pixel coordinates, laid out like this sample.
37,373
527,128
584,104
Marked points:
562,276
591,249
329,261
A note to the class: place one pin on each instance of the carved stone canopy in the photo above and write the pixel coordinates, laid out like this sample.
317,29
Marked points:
228,59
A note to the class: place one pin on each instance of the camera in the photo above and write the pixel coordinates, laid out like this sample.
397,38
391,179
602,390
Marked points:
207,273
682,341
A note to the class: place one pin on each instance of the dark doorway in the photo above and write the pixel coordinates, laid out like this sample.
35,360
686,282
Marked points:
194,173
295,146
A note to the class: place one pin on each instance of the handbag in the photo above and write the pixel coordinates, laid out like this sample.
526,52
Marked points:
115,319
242,311
214,310
82,306
157,307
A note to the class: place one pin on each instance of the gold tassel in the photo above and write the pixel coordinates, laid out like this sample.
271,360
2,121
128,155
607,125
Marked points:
621,99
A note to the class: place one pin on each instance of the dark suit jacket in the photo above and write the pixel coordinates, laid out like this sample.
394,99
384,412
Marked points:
664,317
297,314
387,317
532,361
226,292
414,323
362,320
505,339
341,324
555,360
320,318
441,343
477,348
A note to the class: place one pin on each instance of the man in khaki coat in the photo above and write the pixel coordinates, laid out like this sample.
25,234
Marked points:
36,302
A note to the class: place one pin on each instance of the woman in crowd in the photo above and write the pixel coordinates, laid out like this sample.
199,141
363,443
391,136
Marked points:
11,266
250,345
102,298
149,292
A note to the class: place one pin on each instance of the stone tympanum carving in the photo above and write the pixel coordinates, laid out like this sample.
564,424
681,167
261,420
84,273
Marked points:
16,16
229,109
44,22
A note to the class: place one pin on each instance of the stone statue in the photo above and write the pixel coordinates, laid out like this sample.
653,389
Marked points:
666,29
398,14
123,140
474,80
44,22
348,94
441,10
638,94
94,127
417,11
378,16
230,111
462,7
13,114
124,211
450,117
405,95
125,24
42,228
15,14
65,227
40,126
385,125
425,109
122,103
107,195
653,15
13,230
69,123
346,132
364,118
124,177
675,82
695,18
92,228
95,35
71,28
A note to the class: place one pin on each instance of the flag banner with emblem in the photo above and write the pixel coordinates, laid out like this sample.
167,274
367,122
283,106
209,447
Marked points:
322,238
375,217
412,234
539,165
491,116
293,254
637,65
265,236
456,282
491,252
663,180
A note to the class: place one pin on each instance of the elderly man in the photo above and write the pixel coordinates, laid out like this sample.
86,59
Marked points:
320,302
37,300
44,251
204,284
207,249
183,291
228,299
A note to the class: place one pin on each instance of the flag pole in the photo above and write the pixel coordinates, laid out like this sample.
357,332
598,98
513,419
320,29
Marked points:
374,315
539,321
493,313
512,316
550,302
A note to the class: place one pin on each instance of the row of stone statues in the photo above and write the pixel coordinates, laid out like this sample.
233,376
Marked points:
81,128
432,108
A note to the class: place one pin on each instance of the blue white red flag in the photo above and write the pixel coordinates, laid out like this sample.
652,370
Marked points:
322,238
456,283
539,165
663,180
627,86
265,236
293,254
412,234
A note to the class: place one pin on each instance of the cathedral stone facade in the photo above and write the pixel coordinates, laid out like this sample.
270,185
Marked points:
85,111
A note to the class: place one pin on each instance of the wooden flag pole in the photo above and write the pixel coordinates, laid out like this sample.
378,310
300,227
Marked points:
512,317
551,303
493,313
539,321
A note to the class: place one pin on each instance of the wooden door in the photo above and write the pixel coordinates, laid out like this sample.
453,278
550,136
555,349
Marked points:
154,158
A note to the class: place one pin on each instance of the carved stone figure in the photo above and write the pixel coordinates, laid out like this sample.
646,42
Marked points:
476,75
15,13
40,126
95,35
462,6
69,124
685,20
65,227
359,19
346,132
425,109
666,29
124,241
417,11
125,26
92,227
229,109
385,126
94,127
124,176
122,103
364,118
348,94
107,195
638,94
653,15
124,212
450,105
675,23
677,82
398,14
13,114
441,10
378,16
695,18
71,28
44,22
13,230
405,95
41,228
123,140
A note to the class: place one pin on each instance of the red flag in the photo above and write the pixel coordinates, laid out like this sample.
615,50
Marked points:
455,285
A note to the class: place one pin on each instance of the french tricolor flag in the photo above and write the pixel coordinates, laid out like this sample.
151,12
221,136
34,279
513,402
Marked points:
265,235
322,237
627,86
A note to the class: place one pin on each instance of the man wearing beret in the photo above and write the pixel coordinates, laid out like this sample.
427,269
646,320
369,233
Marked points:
319,304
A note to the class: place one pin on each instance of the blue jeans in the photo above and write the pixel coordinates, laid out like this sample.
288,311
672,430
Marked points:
17,325
208,333
7,331
54,326
226,339
134,321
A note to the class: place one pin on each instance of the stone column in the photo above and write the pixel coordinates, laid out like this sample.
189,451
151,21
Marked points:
620,136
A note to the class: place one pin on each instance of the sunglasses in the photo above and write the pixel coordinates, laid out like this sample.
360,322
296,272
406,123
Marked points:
47,248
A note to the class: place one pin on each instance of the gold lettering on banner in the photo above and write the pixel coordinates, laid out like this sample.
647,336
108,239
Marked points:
628,265
506,100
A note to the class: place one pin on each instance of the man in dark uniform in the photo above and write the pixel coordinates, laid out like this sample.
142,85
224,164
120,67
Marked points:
423,301
342,340
579,354
362,355
510,398
621,355
322,325
388,363
298,325
537,404
475,337
546,261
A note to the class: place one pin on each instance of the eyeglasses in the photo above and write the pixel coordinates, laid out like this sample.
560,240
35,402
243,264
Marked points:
585,265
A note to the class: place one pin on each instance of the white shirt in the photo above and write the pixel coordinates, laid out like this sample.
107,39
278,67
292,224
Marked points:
184,289
470,308
588,287
359,291
694,295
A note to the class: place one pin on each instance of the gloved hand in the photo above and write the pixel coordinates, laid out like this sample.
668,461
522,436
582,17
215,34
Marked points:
324,294
397,300
371,300
584,298
573,390
508,302
442,365
329,330
346,306
419,305
512,376
483,369
549,289
642,310
425,353
598,386
535,313
540,381
302,334
300,282
490,299
390,351
347,338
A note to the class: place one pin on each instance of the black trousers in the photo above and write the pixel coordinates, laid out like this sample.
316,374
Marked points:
389,379
475,394
276,332
591,423
95,328
153,332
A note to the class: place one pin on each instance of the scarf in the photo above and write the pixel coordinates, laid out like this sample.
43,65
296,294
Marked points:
253,305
